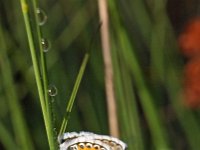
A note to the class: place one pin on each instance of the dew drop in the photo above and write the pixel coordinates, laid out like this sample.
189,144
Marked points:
46,45
42,17
52,91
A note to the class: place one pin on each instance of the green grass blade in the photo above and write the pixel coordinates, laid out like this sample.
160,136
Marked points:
158,132
185,116
6,138
127,109
73,94
25,10
19,124
157,129
43,66
70,33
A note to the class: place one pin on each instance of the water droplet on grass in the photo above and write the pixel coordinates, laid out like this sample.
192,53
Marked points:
52,91
46,45
42,17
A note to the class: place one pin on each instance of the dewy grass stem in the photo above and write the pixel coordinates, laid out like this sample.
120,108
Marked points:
44,78
25,9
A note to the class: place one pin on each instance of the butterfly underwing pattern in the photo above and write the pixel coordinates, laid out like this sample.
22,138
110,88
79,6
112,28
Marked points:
89,141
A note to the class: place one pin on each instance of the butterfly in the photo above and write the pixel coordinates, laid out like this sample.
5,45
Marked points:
89,141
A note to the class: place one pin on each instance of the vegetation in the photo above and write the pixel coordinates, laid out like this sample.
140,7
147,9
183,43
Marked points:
52,77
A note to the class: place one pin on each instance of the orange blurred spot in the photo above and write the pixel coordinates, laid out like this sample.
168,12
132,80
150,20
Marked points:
192,83
189,40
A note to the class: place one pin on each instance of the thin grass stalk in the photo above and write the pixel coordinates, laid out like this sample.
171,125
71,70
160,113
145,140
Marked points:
17,118
157,129
158,51
140,17
25,9
70,33
161,27
187,120
128,113
158,133
158,40
109,83
48,100
120,92
73,94
6,138
132,110
45,79
42,55
185,117
190,125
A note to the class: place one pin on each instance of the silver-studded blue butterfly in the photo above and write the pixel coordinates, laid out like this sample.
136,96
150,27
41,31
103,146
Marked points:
89,141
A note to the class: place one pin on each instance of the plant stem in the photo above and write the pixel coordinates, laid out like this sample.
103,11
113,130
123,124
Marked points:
20,127
53,138
111,101
158,133
73,95
128,111
48,127
6,138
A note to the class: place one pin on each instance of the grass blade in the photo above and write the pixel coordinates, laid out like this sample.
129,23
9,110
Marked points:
6,138
25,10
127,108
158,133
43,66
20,127
73,94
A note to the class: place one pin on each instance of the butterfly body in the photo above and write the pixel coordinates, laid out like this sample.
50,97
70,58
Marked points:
89,141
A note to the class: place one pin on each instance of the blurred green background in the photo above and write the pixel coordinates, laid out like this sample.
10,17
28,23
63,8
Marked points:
147,71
